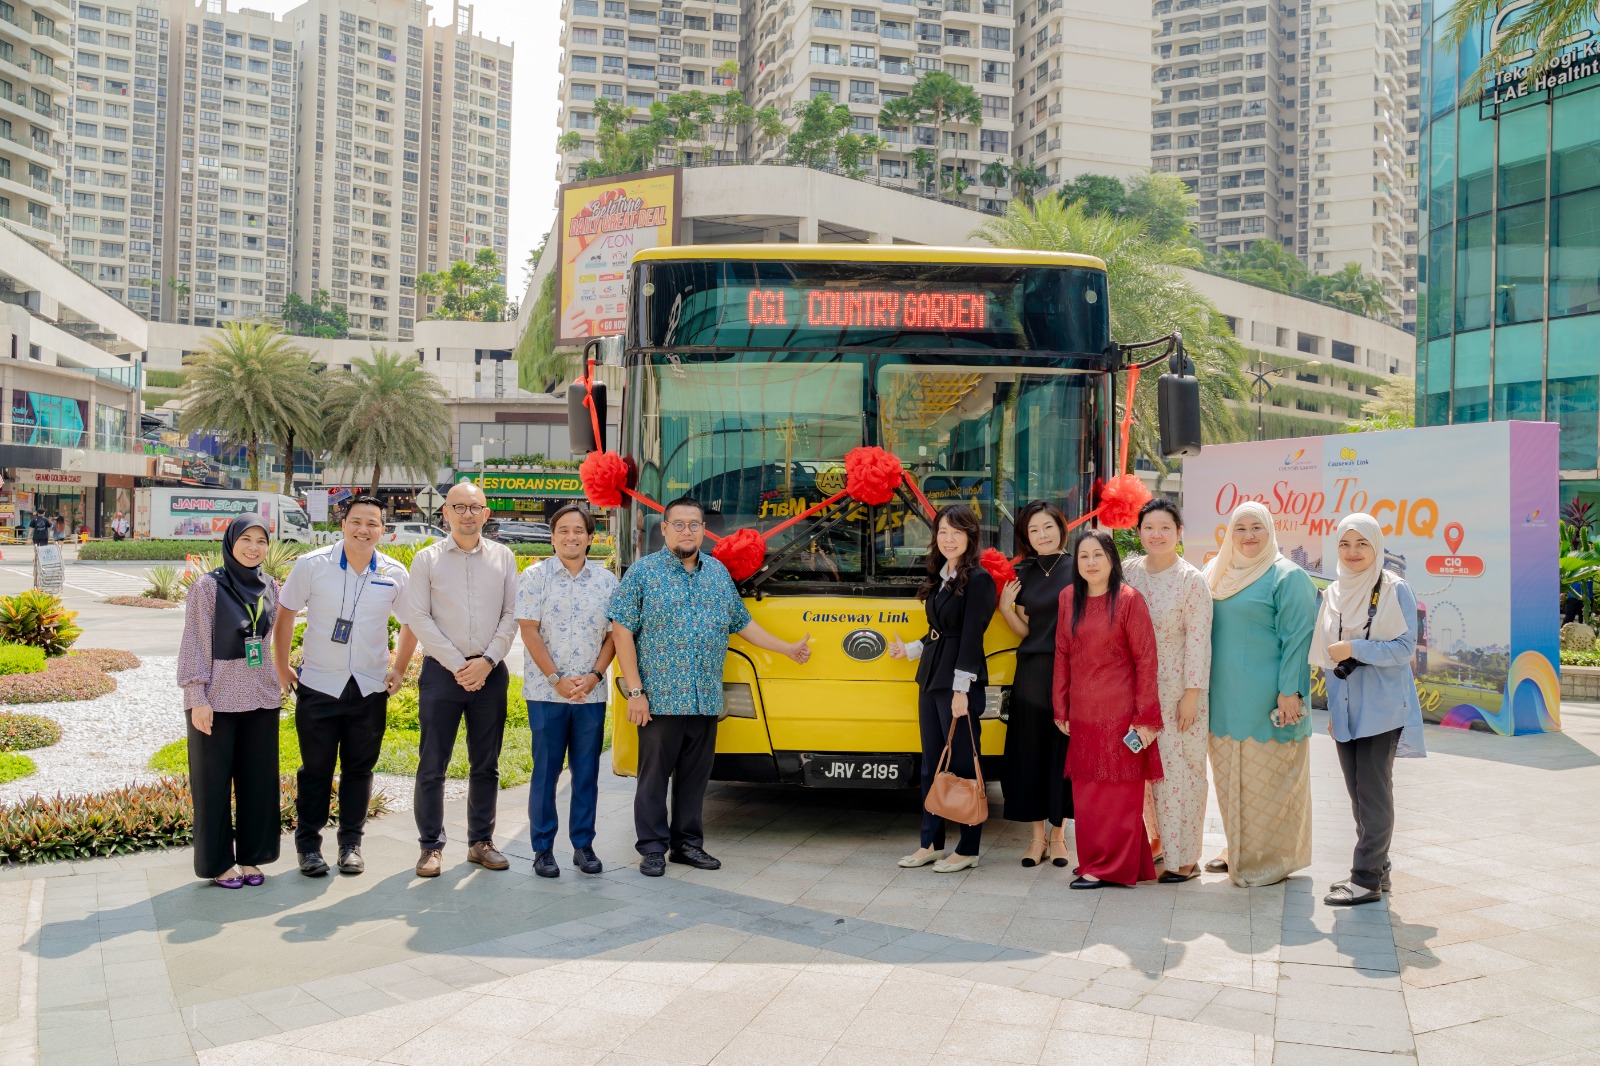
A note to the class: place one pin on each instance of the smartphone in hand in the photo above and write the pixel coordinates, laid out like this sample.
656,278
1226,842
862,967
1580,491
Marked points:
1135,744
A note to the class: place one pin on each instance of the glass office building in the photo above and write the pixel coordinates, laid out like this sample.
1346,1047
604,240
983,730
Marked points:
1509,247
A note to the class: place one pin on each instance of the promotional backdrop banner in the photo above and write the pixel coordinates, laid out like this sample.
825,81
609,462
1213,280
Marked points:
600,225
1469,516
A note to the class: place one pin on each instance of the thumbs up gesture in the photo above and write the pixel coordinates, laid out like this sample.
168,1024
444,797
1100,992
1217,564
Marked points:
897,647
800,650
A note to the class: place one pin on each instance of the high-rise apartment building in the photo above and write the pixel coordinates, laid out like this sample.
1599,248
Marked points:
1084,97
1354,106
358,160
118,149
1227,113
230,149
467,152
35,68
637,55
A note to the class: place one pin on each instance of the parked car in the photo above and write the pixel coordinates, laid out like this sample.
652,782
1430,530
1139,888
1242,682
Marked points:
412,532
513,532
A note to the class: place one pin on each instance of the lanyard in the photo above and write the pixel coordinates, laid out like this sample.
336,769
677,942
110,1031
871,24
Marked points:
255,612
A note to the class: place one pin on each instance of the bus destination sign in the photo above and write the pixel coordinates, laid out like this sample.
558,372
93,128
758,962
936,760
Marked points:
942,310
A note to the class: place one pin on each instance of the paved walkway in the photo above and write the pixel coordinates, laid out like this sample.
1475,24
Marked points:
811,946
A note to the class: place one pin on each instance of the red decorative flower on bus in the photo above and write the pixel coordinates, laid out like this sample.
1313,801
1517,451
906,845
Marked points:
742,552
871,475
1120,501
604,475
999,567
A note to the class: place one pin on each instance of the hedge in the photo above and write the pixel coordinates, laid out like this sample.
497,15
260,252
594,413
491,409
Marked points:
111,660
120,821
20,659
69,678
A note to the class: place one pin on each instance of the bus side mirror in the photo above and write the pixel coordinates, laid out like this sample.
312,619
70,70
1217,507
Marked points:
580,427
1178,405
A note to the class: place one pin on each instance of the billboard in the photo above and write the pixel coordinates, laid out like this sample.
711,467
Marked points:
1469,517
43,418
600,224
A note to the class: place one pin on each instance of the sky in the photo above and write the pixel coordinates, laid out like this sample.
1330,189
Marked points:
533,26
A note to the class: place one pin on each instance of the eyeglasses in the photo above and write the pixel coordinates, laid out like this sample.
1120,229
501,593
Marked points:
687,527
468,508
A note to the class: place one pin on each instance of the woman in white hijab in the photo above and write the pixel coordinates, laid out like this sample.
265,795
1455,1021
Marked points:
1365,638
1263,611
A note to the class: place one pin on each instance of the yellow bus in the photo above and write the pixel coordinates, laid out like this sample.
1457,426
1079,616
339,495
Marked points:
749,371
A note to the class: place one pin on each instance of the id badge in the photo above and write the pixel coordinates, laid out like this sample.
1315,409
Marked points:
341,630
254,652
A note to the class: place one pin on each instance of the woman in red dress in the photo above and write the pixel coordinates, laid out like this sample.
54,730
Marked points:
1105,688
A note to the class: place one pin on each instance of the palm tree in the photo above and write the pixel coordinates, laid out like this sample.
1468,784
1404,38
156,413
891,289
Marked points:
1149,298
899,115
1027,179
995,175
250,385
1537,32
1351,288
388,410
941,97
1267,264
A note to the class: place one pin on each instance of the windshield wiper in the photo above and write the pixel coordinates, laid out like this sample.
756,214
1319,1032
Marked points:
775,561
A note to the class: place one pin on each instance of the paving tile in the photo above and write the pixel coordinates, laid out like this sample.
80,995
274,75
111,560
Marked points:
1094,1049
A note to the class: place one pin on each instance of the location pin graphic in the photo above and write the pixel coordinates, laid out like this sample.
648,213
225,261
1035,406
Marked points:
1453,536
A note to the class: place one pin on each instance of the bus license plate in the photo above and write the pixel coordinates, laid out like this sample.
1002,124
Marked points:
857,771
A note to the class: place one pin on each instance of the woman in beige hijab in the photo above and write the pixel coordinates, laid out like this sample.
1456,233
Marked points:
1263,613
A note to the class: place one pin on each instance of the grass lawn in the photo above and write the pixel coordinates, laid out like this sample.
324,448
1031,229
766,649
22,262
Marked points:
14,765
401,743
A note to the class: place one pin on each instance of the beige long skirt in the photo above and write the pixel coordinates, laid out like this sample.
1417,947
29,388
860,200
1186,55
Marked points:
1264,792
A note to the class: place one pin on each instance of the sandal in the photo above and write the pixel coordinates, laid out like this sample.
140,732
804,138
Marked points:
1058,858
1034,855
1349,894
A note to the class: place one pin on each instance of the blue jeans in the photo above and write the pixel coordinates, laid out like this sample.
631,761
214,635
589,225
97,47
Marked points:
564,733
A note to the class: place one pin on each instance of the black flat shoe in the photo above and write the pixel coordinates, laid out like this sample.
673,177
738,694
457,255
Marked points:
586,860
1217,866
1349,894
312,864
1174,877
689,855
544,864
351,862
653,864
1087,882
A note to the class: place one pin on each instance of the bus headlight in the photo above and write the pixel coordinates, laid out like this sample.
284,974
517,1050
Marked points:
994,698
738,700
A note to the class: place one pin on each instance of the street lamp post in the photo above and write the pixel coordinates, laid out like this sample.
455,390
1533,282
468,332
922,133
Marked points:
1260,373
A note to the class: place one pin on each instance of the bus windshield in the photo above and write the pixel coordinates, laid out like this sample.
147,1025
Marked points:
759,436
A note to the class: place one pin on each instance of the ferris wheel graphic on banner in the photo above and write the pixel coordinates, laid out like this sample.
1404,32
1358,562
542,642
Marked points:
1447,627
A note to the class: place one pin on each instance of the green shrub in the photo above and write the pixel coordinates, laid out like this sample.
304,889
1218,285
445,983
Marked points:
166,379
24,732
111,660
145,601
156,551
61,680
14,766
1570,657
38,620
120,821
20,659
166,583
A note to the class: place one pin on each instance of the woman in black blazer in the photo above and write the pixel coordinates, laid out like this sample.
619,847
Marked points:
951,672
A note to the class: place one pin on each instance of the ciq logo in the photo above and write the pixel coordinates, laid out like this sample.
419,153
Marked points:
864,645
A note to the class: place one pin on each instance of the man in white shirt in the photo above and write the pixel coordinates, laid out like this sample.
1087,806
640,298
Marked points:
348,591
461,603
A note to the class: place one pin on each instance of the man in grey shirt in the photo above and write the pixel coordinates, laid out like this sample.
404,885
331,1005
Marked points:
461,604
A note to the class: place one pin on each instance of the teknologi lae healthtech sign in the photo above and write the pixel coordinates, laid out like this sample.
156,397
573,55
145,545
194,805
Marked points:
1469,517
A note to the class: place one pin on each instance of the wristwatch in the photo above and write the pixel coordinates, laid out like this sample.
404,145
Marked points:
599,678
553,678
630,693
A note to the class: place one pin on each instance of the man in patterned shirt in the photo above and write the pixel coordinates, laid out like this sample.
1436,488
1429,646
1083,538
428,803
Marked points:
674,612
561,608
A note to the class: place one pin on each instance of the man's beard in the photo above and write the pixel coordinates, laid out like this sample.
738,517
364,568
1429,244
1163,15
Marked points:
686,553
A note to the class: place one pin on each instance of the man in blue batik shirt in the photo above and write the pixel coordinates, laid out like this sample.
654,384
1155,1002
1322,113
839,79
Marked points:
674,612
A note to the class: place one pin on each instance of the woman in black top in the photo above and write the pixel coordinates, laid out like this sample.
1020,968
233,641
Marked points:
1032,768
951,672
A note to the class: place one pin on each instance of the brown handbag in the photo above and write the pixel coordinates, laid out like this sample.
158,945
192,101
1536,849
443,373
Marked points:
960,799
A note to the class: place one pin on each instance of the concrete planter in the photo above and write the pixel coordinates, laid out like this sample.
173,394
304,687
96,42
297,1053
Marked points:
1580,683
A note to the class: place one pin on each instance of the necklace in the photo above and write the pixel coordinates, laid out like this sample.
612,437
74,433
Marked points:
1040,562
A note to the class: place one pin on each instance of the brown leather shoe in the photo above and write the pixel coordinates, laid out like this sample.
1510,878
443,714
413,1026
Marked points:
430,863
485,855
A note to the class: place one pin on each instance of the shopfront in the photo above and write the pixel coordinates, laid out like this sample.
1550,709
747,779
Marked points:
530,497
69,493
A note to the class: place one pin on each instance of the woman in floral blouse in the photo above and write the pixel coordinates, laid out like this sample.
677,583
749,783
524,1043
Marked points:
1180,608
230,691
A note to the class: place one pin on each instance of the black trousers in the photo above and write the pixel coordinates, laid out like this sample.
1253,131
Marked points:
233,778
442,704
344,731
1033,767
675,750
1368,765
933,718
